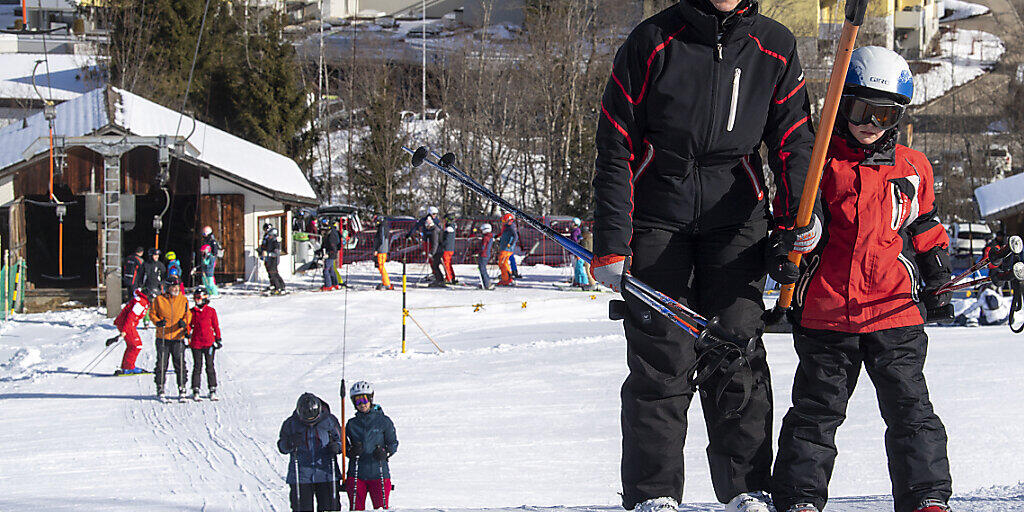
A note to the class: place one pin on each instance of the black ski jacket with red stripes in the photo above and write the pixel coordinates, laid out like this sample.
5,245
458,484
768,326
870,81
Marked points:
682,117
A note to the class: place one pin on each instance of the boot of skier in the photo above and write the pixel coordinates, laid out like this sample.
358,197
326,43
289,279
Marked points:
311,437
880,221
371,442
127,322
680,203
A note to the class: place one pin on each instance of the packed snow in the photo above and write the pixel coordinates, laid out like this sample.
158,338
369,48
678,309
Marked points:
520,411
963,56
961,10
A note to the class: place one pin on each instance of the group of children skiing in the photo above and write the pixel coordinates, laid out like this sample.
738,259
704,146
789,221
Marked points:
313,438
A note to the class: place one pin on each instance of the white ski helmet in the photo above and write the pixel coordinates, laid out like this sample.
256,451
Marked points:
431,210
881,69
576,221
361,388
486,228
207,230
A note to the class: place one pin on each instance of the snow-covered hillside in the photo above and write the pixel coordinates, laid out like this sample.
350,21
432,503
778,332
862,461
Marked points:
521,410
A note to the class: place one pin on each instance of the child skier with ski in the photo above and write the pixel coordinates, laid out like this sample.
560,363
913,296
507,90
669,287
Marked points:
371,441
506,245
204,343
864,297
311,437
126,323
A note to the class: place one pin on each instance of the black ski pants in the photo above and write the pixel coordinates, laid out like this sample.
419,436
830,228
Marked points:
717,272
199,357
270,263
435,268
326,494
915,440
175,351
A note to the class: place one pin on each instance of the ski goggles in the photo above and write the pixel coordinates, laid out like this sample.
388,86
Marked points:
361,399
882,113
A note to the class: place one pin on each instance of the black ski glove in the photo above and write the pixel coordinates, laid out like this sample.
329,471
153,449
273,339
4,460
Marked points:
217,344
380,454
935,272
780,268
181,324
354,450
160,323
334,447
938,306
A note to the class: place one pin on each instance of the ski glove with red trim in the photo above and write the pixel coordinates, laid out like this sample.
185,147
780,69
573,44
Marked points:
609,269
785,240
805,239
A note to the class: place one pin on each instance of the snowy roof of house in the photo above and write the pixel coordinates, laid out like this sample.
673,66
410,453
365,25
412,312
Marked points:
67,78
1001,195
106,108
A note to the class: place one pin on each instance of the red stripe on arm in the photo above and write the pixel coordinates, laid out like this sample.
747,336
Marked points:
647,72
930,239
791,93
621,130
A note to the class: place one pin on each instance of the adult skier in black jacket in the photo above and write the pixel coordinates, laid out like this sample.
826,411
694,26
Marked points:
681,204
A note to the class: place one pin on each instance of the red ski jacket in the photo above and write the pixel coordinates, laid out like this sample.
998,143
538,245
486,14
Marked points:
204,326
879,220
132,312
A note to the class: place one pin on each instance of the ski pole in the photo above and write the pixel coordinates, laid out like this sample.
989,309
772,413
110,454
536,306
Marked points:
854,18
685,318
1014,245
96,360
1016,273
383,494
355,485
298,488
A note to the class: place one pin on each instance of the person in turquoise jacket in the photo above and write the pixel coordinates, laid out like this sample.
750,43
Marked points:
371,441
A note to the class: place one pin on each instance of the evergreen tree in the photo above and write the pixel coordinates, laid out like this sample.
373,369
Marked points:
381,176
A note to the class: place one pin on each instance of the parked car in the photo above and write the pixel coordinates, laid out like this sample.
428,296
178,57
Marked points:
968,239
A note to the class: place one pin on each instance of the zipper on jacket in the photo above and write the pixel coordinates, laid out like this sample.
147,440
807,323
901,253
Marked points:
735,98
718,54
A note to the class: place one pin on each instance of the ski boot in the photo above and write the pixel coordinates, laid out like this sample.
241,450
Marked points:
160,395
195,395
932,505
657,505
802,507
119,372
751,502
182,395
213,394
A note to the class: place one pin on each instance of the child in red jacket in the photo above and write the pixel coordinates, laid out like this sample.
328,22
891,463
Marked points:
126,323
204,343
864,297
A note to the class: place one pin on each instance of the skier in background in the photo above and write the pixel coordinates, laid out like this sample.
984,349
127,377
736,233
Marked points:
872,317
311,437
432,241
588,244
371,442
381,246
207,263
420,227
215,248
126,323
171,316
205,341
506,245
989,308
484,256
133,273
330,244
155,273
448,250
270,253
579,269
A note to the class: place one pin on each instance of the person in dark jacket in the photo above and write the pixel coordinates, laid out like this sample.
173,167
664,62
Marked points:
155,273
311,437
448,250
330,244
680,203
209,239
270,253
484,256
133,273
381,245
864,298
371,442
432,241
420,228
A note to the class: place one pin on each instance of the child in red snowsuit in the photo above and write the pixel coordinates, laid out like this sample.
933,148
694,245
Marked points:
126,323
864,297
204,343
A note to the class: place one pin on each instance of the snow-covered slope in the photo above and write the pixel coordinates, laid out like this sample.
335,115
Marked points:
521,410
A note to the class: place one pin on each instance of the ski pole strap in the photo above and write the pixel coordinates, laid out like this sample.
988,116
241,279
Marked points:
1015,305
727,361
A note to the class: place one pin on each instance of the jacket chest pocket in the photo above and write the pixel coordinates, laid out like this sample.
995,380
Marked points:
904,207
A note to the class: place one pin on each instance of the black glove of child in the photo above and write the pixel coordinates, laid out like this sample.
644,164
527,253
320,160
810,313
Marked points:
334,447
217,344
935,272
380,454
354,450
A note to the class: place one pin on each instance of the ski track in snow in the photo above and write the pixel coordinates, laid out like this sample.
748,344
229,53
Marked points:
521,408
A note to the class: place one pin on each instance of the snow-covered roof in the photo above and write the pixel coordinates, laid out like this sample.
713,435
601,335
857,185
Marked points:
134,114
66,80
1000,195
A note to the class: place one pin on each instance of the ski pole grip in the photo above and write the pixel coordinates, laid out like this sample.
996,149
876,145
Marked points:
844,50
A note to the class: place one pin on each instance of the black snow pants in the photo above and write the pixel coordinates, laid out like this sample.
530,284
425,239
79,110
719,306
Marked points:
719,272
326,494
435,267
270,262
175,351
199,356
915,440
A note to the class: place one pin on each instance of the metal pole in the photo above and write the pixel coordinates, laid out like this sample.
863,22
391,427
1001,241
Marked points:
405,310
424,40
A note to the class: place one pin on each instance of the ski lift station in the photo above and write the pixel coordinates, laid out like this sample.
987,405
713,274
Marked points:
126,173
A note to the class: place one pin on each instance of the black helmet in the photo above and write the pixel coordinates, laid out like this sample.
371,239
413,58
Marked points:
139,250
201,296
308,408
153,251
172,281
